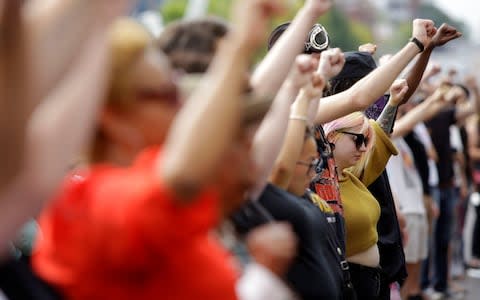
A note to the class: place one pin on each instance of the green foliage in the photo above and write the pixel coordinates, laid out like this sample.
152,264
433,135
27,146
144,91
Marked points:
344,33
173,10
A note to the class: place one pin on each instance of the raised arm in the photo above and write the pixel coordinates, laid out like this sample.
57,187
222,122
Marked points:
397,92
421,113
59,128
294,139
463,111
366,91
473,138
56,30
14,90
444,34
209,119
269,137
272,71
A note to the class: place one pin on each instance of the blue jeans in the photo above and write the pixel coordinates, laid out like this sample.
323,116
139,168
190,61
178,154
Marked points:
442,234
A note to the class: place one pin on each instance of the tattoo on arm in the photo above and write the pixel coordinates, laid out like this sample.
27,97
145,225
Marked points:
387,118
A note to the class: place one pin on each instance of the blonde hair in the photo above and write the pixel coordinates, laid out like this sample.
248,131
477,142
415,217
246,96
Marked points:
357,120
128,41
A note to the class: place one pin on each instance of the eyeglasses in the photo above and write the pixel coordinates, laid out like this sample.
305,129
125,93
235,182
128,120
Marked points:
359,139
311,165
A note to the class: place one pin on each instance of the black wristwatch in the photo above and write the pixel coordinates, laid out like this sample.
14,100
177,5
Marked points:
418,43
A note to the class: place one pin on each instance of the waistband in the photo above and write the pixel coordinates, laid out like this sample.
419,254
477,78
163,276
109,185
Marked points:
361,268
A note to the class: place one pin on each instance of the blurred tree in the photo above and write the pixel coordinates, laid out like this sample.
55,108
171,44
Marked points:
173,9
429,11
344,33
403,30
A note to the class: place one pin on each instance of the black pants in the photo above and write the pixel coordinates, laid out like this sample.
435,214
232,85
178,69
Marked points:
384,288
476,235
366,281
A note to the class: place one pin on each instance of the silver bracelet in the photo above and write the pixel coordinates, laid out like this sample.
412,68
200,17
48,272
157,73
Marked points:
298,117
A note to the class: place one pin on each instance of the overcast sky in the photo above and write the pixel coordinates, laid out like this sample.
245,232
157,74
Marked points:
466,10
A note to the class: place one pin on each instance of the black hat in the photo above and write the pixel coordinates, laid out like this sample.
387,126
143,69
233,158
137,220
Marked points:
357,65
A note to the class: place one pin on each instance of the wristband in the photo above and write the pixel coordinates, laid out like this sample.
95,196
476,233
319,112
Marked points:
418,43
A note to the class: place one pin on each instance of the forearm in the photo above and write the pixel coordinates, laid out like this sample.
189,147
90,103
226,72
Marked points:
56,30
369,89
387,117
205,125
15,102
293,143
270,136
63,124
421,113
476,97
272,71
415,75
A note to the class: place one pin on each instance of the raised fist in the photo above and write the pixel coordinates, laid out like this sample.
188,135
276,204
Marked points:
398,90
424,30
331,62
251,18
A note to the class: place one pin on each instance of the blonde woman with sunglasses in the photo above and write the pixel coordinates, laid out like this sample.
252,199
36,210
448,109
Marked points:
361,150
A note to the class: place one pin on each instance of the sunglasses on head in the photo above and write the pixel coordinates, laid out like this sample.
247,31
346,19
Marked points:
359,139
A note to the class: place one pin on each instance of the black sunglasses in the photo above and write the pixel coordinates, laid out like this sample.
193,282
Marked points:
359,139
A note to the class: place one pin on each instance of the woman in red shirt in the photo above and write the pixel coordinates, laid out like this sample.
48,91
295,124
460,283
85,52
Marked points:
141,230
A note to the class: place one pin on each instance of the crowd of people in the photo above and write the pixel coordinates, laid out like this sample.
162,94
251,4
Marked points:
172,168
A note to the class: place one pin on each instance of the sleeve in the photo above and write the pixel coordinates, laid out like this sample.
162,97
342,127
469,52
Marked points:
146,217
380,153
258,283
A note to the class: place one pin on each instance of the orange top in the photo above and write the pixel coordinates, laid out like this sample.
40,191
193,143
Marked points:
119,233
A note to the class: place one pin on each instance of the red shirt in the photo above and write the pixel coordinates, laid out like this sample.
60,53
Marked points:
118,233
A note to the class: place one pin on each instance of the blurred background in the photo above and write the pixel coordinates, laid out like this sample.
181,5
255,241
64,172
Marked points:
351,23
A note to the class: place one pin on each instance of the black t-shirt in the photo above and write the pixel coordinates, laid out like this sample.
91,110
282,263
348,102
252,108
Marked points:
421,159
439,128
315,272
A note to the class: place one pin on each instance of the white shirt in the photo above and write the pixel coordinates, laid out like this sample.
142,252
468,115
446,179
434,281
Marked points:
405,181
456,143
258,283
